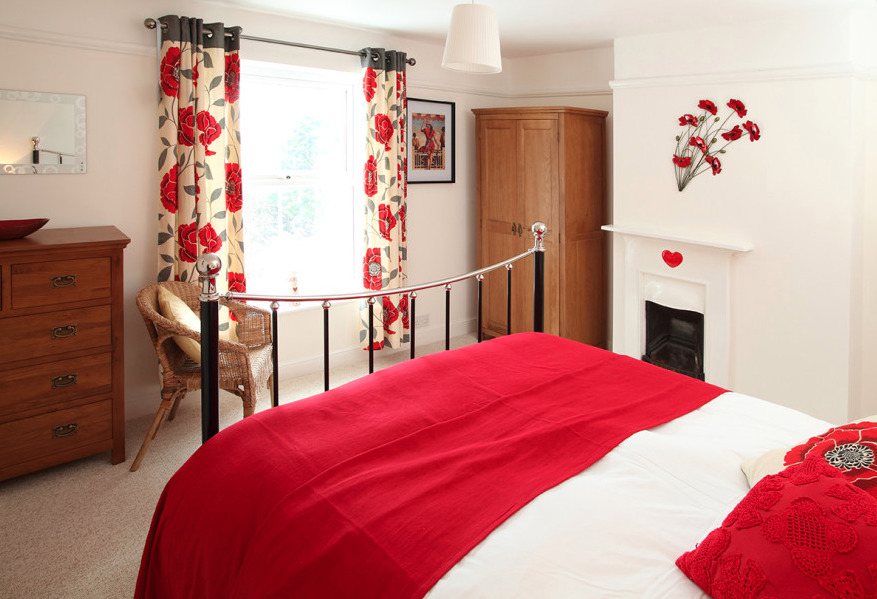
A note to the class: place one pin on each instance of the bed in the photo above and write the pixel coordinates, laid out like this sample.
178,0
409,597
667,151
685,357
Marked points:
523,466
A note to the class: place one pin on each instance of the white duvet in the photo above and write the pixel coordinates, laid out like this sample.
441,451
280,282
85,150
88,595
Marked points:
616,529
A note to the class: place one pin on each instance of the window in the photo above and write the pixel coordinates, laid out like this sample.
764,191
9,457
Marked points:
299,132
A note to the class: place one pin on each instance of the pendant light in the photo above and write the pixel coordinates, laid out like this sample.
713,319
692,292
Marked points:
472,45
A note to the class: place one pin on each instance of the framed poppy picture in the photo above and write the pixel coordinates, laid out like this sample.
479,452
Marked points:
430,141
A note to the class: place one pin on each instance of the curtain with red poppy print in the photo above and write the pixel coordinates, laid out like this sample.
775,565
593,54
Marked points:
199,208
385,183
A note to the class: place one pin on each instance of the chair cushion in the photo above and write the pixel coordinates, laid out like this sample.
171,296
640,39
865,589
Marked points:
176,310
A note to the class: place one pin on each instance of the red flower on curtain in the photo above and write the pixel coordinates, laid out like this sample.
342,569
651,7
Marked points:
682,161
715,164
187,237
170,72
384,130
738,107
687,119
753,130
169,190
369,84
709,106
195,74
237,282
403,310
371,269
735,133
371,177
209,239
210,130
232,77
391,314
852,448
186,132
387,220
699,142
233,187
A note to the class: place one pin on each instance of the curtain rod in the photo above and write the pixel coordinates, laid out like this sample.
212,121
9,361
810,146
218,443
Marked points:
151,23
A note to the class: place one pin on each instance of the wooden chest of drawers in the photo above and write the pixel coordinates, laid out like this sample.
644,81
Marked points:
61,348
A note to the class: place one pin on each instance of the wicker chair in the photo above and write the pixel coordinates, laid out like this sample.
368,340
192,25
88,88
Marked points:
244,366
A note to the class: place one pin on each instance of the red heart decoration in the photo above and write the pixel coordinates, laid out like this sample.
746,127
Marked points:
672,259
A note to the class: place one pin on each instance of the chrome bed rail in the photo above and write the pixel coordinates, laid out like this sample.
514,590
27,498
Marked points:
209,266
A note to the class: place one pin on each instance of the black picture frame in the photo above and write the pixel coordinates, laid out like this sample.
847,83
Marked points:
435,166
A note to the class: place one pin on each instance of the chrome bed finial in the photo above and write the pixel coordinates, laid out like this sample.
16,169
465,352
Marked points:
208,266
539,230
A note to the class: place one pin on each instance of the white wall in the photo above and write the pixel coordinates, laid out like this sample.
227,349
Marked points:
100,49
800,329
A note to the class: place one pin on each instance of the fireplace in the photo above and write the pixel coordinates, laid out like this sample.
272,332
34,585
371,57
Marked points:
674,339
689,279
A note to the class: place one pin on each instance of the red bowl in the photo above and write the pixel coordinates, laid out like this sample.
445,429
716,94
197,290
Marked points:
16,229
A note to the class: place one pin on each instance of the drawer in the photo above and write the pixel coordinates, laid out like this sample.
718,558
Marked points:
47,385
54,333
48,283
55,433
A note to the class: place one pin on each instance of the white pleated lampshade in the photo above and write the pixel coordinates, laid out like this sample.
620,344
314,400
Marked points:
472,45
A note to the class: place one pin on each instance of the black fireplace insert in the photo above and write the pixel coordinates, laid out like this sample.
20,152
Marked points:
674,339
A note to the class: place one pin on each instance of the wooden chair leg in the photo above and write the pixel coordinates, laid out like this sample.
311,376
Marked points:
179,395
164,408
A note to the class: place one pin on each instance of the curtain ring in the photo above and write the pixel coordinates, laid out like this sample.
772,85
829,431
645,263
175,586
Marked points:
208,34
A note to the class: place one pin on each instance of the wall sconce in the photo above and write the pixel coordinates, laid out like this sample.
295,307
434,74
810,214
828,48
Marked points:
472,45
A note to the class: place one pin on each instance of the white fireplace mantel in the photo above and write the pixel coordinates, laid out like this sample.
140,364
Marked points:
685,273
719,245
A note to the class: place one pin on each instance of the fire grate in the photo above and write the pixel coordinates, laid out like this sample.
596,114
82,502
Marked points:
674,339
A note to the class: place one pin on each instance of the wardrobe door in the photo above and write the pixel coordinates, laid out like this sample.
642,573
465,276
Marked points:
537,168
497,211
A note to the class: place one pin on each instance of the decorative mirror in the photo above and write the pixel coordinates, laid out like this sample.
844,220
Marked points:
41,133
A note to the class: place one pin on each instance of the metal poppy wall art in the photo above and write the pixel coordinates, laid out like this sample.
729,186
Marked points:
698,147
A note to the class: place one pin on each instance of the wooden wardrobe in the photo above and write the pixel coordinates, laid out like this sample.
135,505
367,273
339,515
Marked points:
543,164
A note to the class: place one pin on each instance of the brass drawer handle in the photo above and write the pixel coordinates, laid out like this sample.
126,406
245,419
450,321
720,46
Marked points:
68,330
65,380
63,281
65,430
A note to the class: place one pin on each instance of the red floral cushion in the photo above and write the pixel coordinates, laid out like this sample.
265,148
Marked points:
805,533
852,448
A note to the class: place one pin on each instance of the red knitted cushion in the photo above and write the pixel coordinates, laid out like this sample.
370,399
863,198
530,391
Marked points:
805,533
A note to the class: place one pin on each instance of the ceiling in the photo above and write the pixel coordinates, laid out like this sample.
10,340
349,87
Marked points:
534,27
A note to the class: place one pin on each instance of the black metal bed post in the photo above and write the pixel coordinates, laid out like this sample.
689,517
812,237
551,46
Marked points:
448,316
412,300
275,376
371,335
539,230
326,306
480,279
208,266
508,299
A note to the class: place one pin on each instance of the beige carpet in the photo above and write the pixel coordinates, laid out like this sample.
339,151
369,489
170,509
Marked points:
77,530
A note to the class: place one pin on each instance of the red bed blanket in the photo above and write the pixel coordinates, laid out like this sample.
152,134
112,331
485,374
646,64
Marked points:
378,487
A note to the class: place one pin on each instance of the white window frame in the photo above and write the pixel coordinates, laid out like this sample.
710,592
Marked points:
345,82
